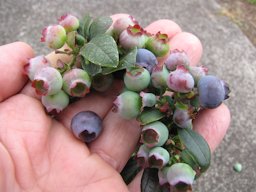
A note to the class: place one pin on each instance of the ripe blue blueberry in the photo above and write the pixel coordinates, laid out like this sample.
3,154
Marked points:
146,59
86,126
212,91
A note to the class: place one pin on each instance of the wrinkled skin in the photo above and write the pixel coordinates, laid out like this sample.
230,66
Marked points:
38,153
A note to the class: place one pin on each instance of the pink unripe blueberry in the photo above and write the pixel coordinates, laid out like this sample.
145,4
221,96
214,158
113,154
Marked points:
76,82
128,104
180,173
56,102
142,156
198,72
69,22
159,77
176,58
158,157
158,44
154,134
47,81
133,36
180,80
137,79
123,23
54,36
182,118
35,64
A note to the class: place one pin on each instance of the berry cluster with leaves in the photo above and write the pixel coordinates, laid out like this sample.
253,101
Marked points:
164,98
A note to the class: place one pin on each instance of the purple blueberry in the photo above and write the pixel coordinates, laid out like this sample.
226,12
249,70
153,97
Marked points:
86,126
181,117
212,91
146,59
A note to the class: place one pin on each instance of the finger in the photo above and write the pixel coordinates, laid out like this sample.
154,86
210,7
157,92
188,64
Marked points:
13,57
213,124
119,138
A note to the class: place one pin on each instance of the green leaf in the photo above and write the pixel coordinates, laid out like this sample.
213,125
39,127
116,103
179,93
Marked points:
149,116
91,68
130,170
125,62
101,50
197,146
84,26
187,157
150,181
100,26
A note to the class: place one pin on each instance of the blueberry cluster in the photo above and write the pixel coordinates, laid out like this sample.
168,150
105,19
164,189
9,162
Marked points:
163,97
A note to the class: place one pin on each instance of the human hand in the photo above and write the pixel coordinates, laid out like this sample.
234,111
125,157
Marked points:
38,153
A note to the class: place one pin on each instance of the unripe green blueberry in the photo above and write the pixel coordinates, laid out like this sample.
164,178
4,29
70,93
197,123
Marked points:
133,36
159,77
54,36
128,104
56,102
158,157
158,44
76,82
154,134
137,79
35,64
180,173
162,175
142,156
69,22
47,81
148,99
74,40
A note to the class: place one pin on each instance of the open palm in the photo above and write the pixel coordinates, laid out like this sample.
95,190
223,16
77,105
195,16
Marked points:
39,153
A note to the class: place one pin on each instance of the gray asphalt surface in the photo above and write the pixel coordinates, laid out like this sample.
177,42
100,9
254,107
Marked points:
227,53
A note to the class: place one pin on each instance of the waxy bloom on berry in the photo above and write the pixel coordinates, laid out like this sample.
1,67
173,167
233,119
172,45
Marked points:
176,58
158,157
47,81
35,64
69,22
54,36
180,173
76,82
180,80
